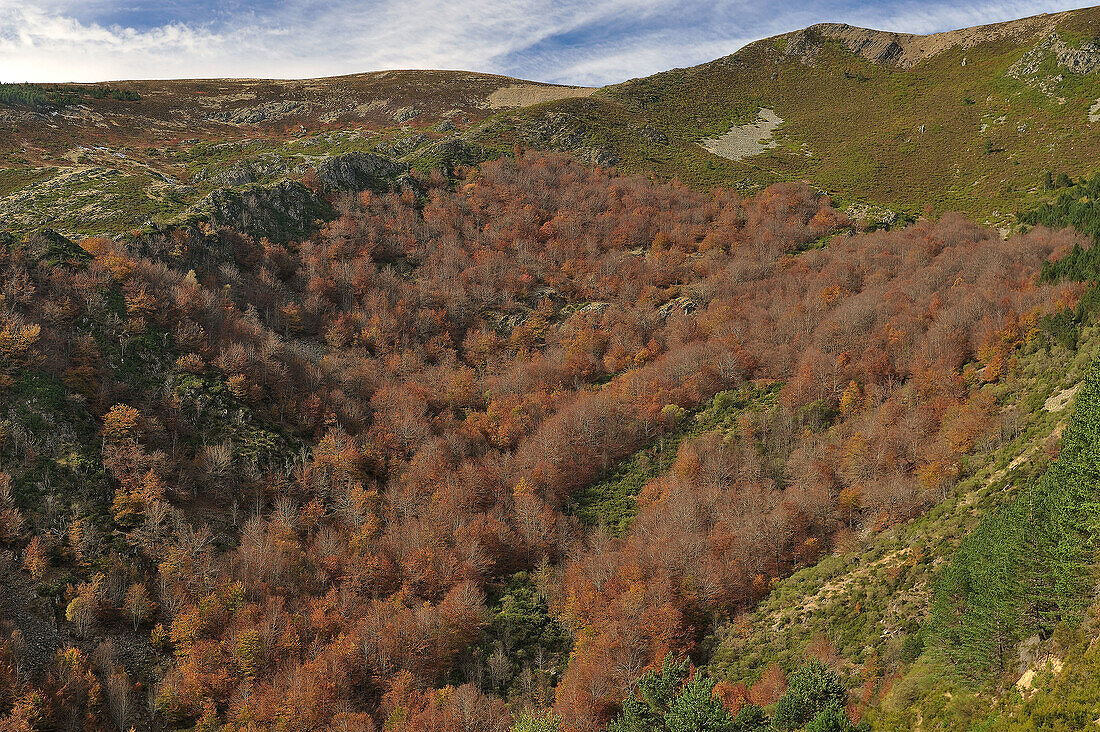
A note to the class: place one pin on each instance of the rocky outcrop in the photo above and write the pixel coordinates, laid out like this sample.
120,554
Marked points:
280,212
654,135
269,112
404,145
359,171
287,209
244,172
591,308
871,215
905,49
568,133
678,305
1083,59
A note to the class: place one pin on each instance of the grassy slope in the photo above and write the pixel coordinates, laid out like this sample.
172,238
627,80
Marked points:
90,164
872,600
854,127
942,135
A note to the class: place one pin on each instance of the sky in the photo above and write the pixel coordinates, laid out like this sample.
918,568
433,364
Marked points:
563,41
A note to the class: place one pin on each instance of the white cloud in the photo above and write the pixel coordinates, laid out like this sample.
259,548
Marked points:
47,43
578,41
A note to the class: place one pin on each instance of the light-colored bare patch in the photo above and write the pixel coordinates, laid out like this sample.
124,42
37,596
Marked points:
522,95
1061,400
1094,112
221,100
745,141
363,109
1026,682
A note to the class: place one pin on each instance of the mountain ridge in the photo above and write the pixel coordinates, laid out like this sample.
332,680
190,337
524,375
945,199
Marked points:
154,153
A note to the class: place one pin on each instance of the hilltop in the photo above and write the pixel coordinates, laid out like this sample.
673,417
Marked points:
107,158
967,120
894,124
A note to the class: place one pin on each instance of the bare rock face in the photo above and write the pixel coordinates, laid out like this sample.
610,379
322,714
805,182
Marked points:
568,133
279,212
269,112
678,305
592,308
360,171
1083,59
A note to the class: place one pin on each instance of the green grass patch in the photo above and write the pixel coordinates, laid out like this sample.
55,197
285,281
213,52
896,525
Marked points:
611,501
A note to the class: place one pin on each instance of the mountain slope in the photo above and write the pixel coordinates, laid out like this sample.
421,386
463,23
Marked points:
107,158
966,120
969,120
339,439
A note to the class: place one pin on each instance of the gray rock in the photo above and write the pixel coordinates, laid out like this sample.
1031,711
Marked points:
268,112
405,145
244,172
283,211
1083,59
545,292
568,133
653,135
557,130
871,214
804,45
592,308
505,323
679,304
604,157
360,171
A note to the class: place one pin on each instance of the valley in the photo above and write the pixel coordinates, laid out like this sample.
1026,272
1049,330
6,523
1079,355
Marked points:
756,395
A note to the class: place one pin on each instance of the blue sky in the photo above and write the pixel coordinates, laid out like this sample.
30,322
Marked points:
565,41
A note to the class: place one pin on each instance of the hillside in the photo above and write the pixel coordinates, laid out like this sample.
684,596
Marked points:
440,401
109,158
968,120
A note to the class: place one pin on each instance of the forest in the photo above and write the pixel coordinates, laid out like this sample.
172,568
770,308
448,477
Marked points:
491,453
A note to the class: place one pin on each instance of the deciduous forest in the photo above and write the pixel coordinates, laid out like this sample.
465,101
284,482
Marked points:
499,452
